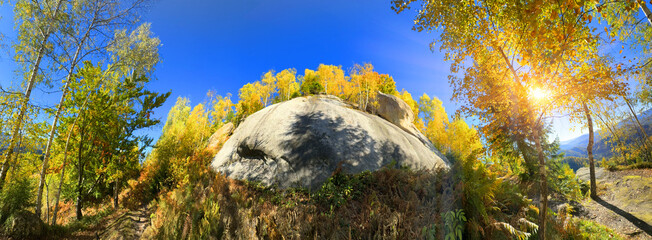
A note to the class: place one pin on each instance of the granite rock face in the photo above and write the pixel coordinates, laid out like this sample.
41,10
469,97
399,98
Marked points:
220,135
301,142
398,112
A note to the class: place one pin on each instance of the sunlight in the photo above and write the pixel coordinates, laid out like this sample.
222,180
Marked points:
539,94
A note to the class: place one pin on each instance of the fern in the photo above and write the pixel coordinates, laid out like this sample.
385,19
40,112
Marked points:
512,231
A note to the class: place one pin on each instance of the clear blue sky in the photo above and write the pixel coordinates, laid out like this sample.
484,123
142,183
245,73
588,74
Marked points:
221,45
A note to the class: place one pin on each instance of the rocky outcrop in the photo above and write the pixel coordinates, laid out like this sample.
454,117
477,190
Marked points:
301,142
398,112
220,135
24,225
394,110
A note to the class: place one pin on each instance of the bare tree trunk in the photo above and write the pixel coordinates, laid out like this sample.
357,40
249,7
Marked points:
543,184
53,128
25,102
589,150
47,200
116,191
646,10
80,178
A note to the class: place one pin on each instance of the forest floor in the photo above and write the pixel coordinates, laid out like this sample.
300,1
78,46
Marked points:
123,224
624,201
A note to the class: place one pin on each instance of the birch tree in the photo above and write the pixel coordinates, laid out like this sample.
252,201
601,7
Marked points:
36,22
91,23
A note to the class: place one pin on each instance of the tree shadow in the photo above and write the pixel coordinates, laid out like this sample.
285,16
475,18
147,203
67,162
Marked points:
325,143
631,218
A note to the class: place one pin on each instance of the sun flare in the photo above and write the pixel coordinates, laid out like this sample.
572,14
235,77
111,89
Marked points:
539,94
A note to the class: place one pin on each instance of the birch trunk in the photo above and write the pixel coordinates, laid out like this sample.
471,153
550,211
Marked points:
589,150
23,108
53,128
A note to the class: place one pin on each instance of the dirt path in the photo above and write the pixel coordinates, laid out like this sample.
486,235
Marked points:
624,203
128,225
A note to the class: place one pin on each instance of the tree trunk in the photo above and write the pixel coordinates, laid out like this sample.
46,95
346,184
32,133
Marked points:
646,10
63,171
80,178
589,150
53,128
65,157
47,201
543,191
116,191
25,101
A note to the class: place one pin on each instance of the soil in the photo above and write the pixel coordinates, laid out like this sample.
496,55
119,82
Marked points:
123,224
624,201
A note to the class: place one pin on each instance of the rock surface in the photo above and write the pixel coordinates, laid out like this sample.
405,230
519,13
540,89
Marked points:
301,142
398,112
220,135
584,174
24,225
394,110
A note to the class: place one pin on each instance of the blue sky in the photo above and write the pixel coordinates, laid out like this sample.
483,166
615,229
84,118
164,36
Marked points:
222,45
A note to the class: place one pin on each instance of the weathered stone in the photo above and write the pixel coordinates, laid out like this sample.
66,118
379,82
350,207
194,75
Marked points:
398,112
24,225
301,142
220,135
584,174
394,110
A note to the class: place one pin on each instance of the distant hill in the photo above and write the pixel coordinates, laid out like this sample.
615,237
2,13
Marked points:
576,147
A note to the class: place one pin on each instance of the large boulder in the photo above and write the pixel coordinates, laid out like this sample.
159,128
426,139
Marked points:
301,142
394,110
24,225
398,112
220,135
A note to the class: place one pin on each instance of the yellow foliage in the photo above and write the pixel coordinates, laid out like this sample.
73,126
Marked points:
287,84
332,78
222,108
454,137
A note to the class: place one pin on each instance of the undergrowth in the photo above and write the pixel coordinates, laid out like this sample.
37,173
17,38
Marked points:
467,202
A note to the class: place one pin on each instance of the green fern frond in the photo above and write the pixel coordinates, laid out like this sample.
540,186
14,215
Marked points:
518,234
529,225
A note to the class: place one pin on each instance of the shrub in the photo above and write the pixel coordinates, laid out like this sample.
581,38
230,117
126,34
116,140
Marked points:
311,86
454,224
340,188
17,195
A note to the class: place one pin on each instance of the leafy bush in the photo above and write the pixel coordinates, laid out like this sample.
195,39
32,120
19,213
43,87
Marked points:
454,224
340,188
311,86
17,195
562,180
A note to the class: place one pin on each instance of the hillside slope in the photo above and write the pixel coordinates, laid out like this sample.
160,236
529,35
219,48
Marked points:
576,147
624,203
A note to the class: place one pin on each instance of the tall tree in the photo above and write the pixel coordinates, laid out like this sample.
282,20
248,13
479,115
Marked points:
89,19
268,87
502,48
36,23
287,84
332,78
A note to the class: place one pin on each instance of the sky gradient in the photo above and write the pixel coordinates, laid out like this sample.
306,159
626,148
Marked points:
222,45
